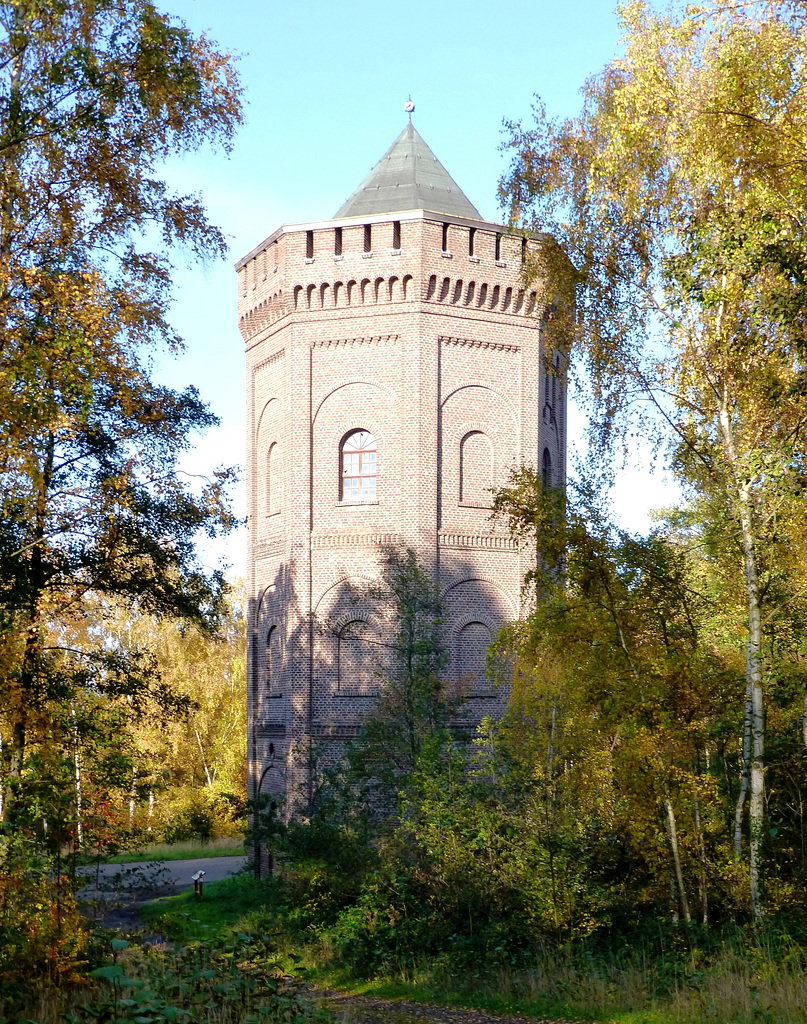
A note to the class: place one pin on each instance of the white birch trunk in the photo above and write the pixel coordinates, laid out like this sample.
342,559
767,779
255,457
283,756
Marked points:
745,777
672,833
77,778
204,761
754,666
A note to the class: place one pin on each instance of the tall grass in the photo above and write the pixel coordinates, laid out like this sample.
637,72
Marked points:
736,986
225,846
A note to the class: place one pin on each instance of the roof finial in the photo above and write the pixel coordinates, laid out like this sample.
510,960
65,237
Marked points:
409,106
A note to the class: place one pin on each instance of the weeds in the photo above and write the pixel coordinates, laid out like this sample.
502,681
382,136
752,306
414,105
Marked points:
235,980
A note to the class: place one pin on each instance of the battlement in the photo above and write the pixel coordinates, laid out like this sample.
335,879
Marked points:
399,258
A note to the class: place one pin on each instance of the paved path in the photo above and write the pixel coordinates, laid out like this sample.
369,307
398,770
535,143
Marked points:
113,891
162,875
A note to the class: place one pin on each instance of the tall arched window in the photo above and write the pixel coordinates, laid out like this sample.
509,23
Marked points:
472,650
476,469
546,469
273,662
358,662
272,478
359,466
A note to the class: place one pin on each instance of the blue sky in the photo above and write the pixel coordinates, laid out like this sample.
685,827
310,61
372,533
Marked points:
324,88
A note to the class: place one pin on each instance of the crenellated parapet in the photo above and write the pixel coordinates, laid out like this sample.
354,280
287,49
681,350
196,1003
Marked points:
401,258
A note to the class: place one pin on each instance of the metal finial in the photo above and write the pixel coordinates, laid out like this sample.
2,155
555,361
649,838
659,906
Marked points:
409,106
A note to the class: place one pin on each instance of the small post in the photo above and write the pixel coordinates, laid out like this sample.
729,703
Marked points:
198,882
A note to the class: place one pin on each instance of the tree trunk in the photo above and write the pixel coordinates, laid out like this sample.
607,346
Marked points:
133,795
204,761
77,776
703,863
672,834
804,718
756,809
745,778
754,694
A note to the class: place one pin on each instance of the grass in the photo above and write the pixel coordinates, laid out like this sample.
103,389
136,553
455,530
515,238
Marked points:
729,993
733,987
226,846
237,904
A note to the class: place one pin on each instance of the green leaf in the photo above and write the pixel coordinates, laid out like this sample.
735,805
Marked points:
109,973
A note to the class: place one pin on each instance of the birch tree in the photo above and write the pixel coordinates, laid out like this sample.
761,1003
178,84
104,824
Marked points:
679,193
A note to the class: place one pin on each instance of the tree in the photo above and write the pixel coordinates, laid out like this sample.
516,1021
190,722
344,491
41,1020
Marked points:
678,194
94,95
413,709
618,677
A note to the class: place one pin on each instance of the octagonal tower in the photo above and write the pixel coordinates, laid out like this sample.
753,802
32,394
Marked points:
395,372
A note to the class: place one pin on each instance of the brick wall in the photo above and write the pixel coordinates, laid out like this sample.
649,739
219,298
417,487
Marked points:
437,354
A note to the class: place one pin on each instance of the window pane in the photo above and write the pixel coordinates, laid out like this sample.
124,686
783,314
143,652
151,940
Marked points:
351,488
368,487
351,465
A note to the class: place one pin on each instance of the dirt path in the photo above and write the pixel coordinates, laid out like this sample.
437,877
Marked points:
366,1010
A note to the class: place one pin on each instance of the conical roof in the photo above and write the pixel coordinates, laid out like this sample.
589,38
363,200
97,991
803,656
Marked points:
408,177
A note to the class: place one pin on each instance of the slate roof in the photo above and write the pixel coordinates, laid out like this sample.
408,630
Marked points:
408,177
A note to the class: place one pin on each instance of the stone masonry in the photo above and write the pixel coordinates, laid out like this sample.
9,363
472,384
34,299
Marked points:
395,373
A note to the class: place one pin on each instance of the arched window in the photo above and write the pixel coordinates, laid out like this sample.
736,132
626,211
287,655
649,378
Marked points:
472,650
358,663
358,466
272,478
546,469
476,469
273,662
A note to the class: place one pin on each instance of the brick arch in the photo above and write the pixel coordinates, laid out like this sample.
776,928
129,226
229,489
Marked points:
265,413
346,582
486,386
458,641
268,595
477,467
474,586
348,383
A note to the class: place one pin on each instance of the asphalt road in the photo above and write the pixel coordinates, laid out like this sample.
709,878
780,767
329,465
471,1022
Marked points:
161,876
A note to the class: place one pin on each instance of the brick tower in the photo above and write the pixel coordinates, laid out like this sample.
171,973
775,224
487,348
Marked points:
395,373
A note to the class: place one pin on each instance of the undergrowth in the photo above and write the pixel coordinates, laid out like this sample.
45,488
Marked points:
678,976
